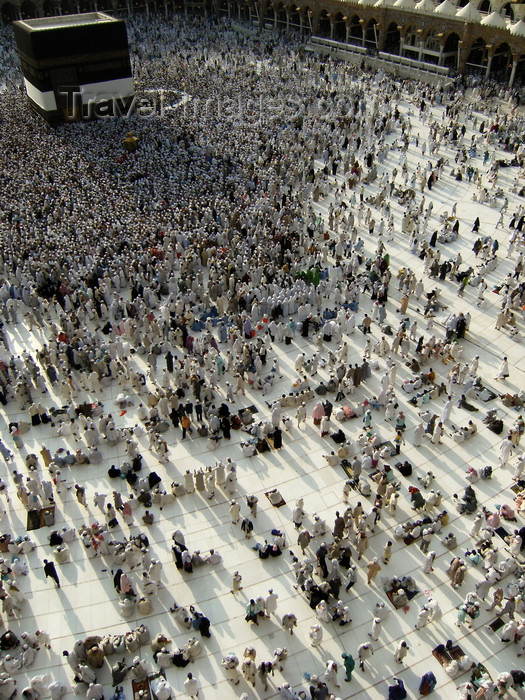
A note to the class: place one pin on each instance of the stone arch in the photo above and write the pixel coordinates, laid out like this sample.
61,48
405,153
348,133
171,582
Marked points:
9,12
507,11
339,27
485,6
451,50
451,39
501,61
295,16
28,10
244,14
371,33
323,26
478,56
269,17
411,38
281,16
308,19
462,3
392,38
411,45
431,46
519,78
430,39
356,30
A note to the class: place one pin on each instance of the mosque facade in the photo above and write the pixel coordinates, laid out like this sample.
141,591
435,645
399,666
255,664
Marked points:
486,38
481,37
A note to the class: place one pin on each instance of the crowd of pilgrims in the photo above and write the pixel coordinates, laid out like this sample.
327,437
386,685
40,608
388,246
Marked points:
209,248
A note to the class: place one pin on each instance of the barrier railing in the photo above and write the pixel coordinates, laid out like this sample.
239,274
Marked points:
317,42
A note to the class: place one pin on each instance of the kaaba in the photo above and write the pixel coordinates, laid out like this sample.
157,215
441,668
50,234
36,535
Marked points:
75,66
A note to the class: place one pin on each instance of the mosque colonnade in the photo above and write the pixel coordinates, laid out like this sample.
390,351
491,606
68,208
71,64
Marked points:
485,37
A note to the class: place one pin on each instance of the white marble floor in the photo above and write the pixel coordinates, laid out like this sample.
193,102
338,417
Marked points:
87,603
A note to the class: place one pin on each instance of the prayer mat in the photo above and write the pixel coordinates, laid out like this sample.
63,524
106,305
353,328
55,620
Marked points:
479,673
347,468
445,656
33,520
442,656
262,445
497,624
456,652
246,414
390,595
501,532
252,409
154,681
404,608
141,689
387,443
486,395
45,517
86,409
282,502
